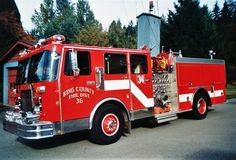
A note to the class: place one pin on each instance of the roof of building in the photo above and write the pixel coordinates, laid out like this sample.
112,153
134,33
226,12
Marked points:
11,54
148,14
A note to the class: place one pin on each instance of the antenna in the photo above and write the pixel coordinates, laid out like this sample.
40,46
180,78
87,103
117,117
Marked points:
153,47
162,49
157,9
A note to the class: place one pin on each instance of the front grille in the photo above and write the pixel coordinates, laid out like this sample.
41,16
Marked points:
26,100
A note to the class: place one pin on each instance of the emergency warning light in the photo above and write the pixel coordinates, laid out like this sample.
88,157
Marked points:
56,39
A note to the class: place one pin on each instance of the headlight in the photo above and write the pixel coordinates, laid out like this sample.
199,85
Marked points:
37,104
18,103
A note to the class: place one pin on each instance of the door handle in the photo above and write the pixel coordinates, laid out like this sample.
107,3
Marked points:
98,78
147,80
90,83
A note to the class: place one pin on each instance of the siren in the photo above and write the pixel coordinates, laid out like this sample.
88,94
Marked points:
56,39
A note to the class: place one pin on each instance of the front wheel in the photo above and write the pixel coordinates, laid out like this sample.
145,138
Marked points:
200,106
108,125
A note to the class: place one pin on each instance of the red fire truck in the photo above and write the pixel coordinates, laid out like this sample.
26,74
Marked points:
64,88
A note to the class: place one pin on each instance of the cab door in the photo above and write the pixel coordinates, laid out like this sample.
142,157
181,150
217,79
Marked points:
141,81
77,90
116,77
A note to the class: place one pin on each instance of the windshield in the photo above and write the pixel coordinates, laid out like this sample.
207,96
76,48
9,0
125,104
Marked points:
40,67
22,71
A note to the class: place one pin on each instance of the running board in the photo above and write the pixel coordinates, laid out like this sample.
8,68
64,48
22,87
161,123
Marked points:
166,118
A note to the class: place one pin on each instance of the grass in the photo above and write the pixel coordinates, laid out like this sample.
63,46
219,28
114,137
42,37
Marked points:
231,91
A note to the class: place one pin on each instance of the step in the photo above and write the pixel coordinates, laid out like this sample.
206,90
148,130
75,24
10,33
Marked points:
166,118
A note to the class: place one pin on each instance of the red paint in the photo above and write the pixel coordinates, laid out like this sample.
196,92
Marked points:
110,124
75,97
202,106
11,84
193,76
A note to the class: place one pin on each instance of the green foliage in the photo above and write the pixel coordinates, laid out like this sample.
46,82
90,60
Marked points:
78,24
195,30
189,29
226,29
84,14
123,37
116,34
92,35
62,19
231,91
130,36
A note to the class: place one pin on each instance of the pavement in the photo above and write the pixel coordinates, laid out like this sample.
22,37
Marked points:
212,138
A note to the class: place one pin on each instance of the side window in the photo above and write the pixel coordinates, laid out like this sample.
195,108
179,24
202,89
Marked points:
138,64
115,63
83,63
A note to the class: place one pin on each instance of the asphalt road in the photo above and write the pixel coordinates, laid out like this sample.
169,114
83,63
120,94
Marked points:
211,138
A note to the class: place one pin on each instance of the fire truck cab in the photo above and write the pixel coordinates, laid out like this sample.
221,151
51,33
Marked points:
63,88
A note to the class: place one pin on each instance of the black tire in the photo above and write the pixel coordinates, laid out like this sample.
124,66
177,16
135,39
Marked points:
108,125
200,106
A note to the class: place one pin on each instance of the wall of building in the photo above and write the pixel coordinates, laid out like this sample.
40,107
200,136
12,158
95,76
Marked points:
149,32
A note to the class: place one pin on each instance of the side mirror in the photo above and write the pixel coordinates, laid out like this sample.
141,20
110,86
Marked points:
74,63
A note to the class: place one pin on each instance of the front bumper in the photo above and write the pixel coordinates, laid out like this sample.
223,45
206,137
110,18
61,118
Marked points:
15,123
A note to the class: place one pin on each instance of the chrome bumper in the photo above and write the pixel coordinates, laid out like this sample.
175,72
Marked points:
15,123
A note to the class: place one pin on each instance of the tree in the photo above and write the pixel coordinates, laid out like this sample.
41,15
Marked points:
66,20
216,12
189,29
116,34
92,35
228,30
130,36
52,20
84,14
44,20
63,6
63,18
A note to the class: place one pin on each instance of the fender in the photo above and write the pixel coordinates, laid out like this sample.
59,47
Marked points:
99,104
201,89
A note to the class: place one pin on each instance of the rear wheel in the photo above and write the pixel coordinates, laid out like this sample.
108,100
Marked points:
200,106
108,125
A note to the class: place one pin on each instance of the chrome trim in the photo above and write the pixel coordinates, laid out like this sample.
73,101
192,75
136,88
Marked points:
99,104
99,78
108,49
27,125
59,90
39,130
140,114
199,60
167,119
185,110
73,125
